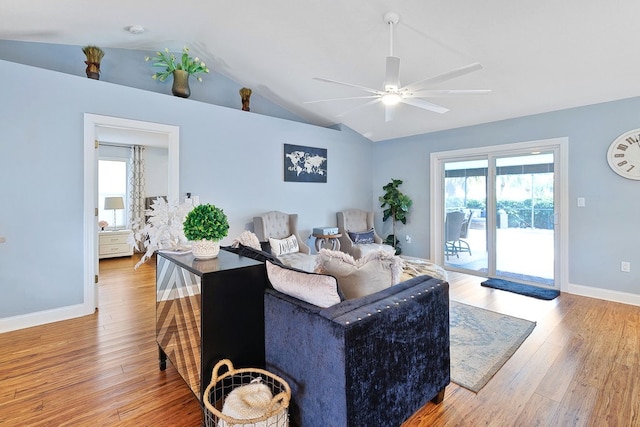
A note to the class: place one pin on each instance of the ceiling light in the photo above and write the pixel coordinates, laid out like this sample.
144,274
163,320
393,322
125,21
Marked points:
136,29
391,98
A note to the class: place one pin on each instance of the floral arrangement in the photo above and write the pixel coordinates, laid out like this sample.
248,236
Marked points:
206,222
163,229
103,224
167,61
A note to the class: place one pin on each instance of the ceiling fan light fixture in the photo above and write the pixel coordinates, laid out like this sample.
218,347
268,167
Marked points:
391,98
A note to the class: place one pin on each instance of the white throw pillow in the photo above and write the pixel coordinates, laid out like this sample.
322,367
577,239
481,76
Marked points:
247,238
284,246
316,289
373,272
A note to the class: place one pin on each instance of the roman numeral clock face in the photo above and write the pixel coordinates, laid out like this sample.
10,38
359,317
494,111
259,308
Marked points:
624,155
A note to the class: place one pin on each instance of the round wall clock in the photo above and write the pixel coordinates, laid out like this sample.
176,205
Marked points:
624,155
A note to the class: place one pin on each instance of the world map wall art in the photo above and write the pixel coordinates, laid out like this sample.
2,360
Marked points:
305,164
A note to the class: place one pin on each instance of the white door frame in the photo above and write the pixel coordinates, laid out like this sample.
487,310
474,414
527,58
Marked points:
152,134
561,205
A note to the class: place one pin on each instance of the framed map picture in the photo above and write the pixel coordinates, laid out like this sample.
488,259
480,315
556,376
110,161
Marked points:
305,164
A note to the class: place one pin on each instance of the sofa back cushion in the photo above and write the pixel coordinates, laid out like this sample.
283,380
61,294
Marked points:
357,278
317,289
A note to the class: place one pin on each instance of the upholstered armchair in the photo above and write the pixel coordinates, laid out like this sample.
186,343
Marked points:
358,221
279,225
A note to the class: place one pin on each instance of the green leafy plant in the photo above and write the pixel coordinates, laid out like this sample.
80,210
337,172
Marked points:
206,222
396,206
169,62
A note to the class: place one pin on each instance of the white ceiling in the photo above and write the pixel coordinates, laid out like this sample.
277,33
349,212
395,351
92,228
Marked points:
538,56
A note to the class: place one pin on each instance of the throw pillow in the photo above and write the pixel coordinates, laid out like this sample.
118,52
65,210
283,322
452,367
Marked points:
362,237
246,238
316,289
356,278
284,246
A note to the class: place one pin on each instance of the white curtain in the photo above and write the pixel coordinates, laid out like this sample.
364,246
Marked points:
136,187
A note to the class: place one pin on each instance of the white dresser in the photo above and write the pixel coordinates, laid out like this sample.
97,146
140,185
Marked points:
114,243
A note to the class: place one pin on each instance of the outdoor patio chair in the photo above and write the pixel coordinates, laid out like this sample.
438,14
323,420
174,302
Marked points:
456,229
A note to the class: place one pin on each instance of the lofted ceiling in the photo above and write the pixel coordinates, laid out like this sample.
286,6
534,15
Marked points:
537,56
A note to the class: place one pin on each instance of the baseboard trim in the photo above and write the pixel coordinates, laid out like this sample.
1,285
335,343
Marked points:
29,320
604,294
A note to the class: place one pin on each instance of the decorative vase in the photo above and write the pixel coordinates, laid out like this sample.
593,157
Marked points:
245,97
205,249
181,84
93,70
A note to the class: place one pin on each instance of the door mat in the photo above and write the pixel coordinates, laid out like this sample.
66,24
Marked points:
519,288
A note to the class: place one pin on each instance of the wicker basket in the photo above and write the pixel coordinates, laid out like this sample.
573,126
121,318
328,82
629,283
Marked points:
215,395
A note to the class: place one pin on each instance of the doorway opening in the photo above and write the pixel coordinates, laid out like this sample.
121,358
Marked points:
119,131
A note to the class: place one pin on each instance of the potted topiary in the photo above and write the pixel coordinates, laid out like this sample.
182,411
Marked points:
205,225
397,206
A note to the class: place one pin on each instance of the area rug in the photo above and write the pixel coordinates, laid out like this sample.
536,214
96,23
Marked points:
519,288
481,342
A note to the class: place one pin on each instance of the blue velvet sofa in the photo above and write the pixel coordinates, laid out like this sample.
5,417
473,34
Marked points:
370,361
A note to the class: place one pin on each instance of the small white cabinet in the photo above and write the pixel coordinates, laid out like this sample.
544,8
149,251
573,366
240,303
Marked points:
114,244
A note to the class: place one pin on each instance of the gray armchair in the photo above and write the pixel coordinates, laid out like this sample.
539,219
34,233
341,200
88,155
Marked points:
280,225
357,220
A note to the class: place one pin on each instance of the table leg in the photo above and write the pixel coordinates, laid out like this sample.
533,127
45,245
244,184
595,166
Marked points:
162,358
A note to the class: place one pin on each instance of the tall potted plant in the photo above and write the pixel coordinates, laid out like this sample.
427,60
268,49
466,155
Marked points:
396,206
205,225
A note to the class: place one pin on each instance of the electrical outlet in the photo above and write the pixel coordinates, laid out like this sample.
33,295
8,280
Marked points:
581,202
407,238
625,266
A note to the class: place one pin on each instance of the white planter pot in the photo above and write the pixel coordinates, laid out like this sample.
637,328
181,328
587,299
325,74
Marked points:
205,249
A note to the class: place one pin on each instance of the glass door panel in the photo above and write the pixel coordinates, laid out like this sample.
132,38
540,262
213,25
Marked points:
464,220
524,232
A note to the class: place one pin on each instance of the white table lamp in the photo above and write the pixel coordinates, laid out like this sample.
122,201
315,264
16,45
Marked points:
114,203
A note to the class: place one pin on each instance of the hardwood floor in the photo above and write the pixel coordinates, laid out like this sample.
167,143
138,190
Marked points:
580,366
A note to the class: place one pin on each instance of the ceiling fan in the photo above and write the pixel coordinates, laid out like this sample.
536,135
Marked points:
411,94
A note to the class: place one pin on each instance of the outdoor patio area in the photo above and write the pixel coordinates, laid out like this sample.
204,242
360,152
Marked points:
522,254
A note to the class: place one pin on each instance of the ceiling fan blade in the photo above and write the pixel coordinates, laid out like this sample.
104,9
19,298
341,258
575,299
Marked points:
436,93
392,74
366,89
342,99
419,85
373,101
389,112
426,105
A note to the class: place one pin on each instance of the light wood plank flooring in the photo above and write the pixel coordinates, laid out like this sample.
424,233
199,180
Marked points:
580,366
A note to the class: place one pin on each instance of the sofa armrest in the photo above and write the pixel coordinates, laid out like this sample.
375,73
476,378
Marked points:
370,361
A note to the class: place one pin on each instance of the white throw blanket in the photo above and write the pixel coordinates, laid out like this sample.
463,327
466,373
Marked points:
251,401
417,267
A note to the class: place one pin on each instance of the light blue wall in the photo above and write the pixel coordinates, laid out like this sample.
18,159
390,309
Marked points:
128,68
227,156
234,159
601,234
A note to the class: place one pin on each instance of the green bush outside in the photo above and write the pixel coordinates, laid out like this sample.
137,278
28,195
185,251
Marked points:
519,212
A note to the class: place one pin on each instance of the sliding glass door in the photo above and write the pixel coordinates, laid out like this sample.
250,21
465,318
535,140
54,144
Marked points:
524,230
497,213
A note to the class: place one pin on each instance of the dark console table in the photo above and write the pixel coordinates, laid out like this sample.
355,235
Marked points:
207,310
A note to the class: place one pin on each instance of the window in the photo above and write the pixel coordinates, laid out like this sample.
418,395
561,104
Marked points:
112,181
